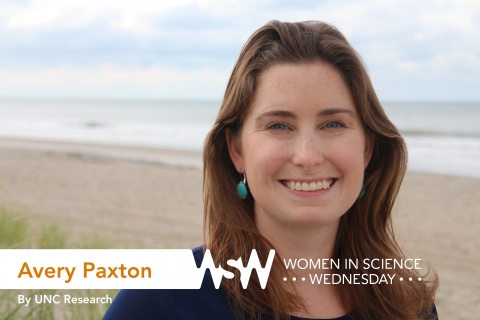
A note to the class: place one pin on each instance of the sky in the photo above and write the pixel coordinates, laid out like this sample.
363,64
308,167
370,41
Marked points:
185,49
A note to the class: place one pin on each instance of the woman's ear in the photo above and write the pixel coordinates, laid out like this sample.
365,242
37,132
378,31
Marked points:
235,150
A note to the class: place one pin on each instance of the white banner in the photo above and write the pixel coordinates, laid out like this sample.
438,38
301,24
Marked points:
117,269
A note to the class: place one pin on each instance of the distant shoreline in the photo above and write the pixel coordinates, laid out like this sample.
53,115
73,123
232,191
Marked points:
161,156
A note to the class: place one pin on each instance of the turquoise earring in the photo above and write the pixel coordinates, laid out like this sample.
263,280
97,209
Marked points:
242,191
362,191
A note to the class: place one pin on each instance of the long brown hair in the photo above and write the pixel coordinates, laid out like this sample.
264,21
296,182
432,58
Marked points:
365,230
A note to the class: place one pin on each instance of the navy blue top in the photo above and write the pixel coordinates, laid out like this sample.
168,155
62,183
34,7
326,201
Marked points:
207,303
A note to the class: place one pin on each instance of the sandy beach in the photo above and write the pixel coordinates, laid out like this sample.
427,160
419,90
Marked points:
152,198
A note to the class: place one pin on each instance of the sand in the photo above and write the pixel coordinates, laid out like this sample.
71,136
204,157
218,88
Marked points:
139,196
152,198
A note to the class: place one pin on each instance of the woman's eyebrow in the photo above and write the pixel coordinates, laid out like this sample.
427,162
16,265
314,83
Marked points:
331,111
289,114
276,113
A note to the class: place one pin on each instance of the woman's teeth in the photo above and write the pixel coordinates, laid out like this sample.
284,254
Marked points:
309,186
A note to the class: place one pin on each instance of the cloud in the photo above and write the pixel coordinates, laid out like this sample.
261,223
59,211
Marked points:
412,39
123,14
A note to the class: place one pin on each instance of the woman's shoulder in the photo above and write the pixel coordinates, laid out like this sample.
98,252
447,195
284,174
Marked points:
142,304
204,303
198,255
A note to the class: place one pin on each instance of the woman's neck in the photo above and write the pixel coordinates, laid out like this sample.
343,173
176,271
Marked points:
299,241
295,242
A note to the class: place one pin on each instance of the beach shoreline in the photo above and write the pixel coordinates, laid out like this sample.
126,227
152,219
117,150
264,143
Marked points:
152,198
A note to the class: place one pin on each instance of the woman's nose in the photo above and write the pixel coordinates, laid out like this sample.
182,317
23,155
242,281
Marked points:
308,153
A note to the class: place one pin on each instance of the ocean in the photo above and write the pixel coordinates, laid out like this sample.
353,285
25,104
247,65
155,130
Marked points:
441,137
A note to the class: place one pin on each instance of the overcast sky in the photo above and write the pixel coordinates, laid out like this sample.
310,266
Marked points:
185,49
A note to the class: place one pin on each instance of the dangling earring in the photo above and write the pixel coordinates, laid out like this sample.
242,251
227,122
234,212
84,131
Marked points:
362,191
242,187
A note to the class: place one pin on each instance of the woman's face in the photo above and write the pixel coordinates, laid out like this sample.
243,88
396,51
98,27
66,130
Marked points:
302,146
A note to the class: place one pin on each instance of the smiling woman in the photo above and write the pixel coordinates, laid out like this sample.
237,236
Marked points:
302,128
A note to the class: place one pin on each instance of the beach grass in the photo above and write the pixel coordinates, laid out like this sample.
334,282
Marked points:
16,233
13,229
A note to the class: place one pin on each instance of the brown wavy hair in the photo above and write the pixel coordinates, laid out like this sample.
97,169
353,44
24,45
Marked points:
365,230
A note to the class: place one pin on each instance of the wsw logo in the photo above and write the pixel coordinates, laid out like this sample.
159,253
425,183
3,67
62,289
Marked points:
245,272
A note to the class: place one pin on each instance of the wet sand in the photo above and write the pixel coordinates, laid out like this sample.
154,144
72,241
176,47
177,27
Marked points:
152,198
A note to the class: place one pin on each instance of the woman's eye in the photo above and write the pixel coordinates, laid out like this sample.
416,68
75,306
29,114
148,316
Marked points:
333,125
278,126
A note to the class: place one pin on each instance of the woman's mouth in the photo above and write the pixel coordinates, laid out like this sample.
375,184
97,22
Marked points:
309,186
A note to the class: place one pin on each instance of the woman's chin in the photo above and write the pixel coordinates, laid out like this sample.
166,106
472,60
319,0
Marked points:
311,220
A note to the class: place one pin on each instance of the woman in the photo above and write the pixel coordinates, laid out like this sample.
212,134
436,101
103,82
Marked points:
320,166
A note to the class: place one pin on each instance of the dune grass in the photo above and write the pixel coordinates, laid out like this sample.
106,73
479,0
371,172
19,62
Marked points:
16,233
13,229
